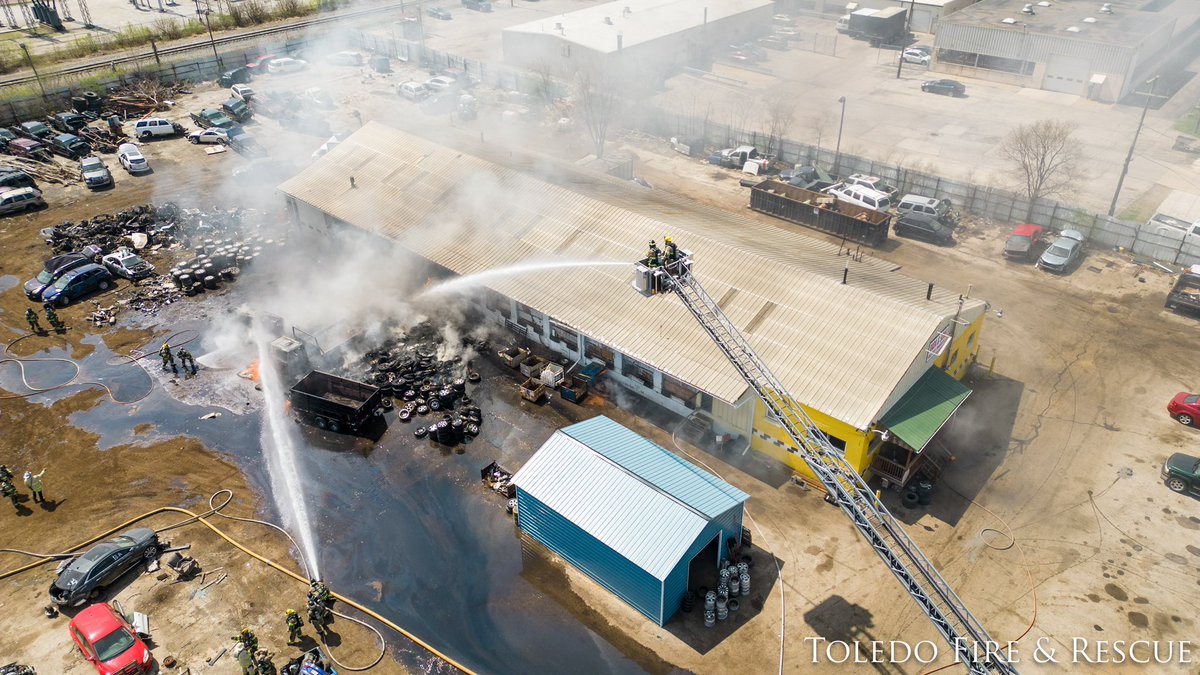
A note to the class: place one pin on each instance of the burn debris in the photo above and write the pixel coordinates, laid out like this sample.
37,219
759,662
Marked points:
425,376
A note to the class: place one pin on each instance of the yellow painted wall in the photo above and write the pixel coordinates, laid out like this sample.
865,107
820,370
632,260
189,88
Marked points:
859,453
857,442
964,349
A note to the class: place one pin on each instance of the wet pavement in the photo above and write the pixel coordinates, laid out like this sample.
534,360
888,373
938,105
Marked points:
404,525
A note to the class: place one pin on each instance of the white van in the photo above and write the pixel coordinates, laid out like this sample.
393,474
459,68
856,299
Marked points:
843,23
413,91
863,196
153,126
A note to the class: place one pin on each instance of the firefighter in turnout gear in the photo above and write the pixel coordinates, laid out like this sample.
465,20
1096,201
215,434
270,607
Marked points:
52,319
168,358
264,663
248,639
32,317
320,592
186,360
653,255
318,617
295,626
672,250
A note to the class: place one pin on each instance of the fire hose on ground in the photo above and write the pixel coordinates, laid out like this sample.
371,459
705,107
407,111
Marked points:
215,509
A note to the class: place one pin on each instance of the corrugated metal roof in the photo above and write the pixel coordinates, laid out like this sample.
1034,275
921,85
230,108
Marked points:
639,500
624,513
674,475
840,349
921,412
598,26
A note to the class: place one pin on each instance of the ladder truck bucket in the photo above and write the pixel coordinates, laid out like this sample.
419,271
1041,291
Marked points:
650,280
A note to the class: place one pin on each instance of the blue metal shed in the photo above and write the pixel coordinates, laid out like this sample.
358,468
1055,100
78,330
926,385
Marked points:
626,512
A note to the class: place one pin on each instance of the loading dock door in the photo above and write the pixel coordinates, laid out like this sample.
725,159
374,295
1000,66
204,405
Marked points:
921,21
1067,74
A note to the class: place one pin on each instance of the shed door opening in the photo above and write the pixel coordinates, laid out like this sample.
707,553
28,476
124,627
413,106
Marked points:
702,571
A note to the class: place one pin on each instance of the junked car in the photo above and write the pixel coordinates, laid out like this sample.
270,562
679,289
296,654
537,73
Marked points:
94,172
52,269
1063,253
132,159
77,283
127,264
1024,242
106,562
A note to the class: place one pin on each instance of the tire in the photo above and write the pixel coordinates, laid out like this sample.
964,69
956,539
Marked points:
103,285
145,136
62,300
194,141
334,426
150,552
1176,484
1185,419
321,423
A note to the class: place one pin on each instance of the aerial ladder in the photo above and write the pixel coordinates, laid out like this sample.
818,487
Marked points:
670,271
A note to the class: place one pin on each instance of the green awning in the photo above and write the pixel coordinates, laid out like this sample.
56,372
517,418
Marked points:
921,412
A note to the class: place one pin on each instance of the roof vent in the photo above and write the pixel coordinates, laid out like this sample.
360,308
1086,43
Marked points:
1008,21
1043,3
1072,29
1090,19
626,11
1106,8
1027,9
608,20
558,25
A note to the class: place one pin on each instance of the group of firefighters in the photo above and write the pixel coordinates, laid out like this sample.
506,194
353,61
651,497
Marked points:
185,359
31,316
33,481
657,257
255,661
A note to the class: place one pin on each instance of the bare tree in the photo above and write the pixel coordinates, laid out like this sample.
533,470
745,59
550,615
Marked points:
780,112
818,123
543,82
597,101
1045,157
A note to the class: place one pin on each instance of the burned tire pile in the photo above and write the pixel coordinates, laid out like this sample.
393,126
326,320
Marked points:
426,386
109,231
218,261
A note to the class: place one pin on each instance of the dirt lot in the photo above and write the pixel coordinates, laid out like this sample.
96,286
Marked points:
1060,444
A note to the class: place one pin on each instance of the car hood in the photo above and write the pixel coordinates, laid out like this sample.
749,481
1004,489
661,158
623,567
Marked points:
1181,462
93,174
34,287
68,581
1018,245
133,655
1051,258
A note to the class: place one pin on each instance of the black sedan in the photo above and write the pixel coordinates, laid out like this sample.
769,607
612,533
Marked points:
103,565
926,228
945,87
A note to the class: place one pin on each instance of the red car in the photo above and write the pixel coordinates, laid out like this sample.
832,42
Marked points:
258,65
1024,243
1185,408
109,643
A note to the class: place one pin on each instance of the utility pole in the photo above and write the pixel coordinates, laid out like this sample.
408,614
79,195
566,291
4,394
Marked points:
1112,208
211,40
907,24
837,153
36,76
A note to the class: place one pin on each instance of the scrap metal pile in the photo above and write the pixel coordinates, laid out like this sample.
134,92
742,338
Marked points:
417,370
222,242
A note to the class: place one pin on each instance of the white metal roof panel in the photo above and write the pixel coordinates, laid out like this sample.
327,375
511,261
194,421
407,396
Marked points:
622,511
841,349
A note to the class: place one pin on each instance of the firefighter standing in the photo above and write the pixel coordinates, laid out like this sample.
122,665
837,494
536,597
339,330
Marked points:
168,359
8,490
318,617
295,626
32,317
248,639
264,663
52,318
652,254
185,360
672,250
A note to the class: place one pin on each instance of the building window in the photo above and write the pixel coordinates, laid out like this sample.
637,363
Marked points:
985,62
564,335
597,351
634,369
676,389
530,318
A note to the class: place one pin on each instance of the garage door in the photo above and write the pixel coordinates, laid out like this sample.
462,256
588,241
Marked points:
922,21
1067,74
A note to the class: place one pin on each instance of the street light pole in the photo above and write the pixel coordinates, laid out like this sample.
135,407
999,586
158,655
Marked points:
31,67
1112,208
907,25
837,153
212,41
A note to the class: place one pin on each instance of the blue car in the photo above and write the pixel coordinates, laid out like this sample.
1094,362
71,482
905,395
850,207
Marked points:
78,283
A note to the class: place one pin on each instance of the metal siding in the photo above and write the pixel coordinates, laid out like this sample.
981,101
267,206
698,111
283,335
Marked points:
637,521
728,524
668,472
1013,43
606,567
839,348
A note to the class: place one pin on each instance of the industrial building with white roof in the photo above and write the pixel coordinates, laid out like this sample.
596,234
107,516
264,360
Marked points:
862,347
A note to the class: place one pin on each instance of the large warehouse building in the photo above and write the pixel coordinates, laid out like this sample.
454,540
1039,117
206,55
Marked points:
637,519
630,38
873,356
1083,47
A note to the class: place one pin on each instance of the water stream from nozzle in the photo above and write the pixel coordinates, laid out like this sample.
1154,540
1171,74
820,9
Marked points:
460,284
279,443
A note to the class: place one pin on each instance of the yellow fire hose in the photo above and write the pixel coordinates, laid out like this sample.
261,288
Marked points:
194,517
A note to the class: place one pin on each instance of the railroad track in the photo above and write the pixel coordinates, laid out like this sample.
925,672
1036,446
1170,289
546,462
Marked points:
220,41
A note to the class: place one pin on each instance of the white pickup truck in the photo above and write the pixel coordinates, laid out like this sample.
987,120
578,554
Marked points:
1173,228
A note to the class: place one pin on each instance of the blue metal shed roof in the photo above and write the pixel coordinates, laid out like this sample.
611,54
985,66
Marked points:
670,473
630,494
